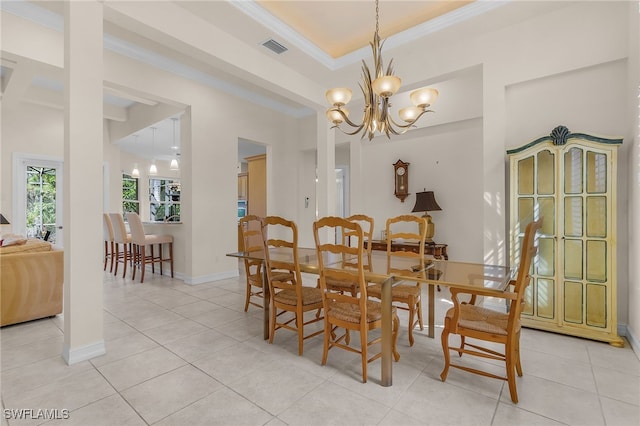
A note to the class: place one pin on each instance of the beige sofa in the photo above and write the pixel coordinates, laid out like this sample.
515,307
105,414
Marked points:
31,281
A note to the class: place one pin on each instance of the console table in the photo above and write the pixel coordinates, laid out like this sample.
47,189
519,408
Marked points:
439,251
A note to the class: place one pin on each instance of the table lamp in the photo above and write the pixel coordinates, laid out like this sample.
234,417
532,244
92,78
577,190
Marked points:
426,202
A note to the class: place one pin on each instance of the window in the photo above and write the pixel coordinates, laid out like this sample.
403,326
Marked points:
164,199
130,201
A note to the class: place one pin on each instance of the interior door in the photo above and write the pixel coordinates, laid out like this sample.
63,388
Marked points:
38,198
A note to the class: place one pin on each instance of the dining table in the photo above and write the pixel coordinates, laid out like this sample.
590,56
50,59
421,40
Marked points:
431,272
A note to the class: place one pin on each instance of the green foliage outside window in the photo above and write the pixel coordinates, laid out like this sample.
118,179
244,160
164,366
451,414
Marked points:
130,202
41,202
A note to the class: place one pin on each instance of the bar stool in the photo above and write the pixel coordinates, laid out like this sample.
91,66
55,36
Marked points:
140,240
120,237
109,248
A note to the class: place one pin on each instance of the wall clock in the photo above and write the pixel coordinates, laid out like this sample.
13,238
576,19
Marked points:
401,179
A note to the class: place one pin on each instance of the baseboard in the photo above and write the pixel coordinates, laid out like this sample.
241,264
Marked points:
76,355
633,341
212,277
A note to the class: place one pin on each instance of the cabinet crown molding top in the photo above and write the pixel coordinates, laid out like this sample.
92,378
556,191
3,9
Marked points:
561,135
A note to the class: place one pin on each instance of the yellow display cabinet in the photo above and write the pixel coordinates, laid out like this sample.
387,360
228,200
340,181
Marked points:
570,180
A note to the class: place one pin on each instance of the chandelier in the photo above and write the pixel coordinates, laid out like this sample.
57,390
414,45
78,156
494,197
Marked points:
377,91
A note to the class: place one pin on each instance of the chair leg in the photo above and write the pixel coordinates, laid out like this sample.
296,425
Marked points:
127,255
419,309
153,263
462,341
396,329
327,333
160,257
134,258
412,313
248,296
363,348
517,355
112,251
171,257
272,322
143,259
511,370
115,272
300,325
445,349
106,254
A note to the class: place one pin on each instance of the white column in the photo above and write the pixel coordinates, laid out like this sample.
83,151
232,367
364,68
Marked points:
494,134
356,187
83,276
326,167
326,158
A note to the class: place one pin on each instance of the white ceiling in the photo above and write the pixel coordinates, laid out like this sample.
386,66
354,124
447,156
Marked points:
326,41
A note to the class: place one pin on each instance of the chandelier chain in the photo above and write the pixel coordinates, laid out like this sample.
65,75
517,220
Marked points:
377,18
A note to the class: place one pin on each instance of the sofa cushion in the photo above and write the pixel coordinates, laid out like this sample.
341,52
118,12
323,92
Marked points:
31,245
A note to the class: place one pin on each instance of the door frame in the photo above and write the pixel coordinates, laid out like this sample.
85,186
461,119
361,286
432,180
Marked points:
20,162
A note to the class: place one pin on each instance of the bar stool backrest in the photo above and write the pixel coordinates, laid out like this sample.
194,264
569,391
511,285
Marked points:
136,228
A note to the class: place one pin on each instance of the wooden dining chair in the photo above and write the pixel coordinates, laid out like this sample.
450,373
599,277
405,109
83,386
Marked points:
470,320
347,311
349,238
109,244
412,229
140,241
122,240
288,295
250,229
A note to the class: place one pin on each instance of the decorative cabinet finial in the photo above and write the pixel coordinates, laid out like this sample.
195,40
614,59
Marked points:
559,135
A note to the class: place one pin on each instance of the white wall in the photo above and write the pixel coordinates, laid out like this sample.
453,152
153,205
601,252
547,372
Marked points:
27,129
443,159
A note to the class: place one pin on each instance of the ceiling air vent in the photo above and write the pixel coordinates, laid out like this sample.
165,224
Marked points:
274,46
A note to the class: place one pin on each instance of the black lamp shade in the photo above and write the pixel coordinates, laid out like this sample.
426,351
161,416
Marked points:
3,220
425,202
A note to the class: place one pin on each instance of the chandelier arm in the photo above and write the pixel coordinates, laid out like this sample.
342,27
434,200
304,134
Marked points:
358,129
411,123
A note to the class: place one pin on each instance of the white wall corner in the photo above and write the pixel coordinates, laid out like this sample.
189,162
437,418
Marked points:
631,337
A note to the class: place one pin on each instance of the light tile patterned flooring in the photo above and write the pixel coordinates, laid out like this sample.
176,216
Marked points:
188,355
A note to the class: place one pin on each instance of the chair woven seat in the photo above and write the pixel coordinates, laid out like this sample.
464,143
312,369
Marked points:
310,296
482,319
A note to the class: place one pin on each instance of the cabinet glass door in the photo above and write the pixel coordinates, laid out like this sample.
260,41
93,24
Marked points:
536,184
585,260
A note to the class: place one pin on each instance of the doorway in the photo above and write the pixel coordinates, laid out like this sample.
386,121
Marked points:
37,200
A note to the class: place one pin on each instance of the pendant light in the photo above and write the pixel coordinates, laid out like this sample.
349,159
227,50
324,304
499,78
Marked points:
174,161
153,170
135,172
